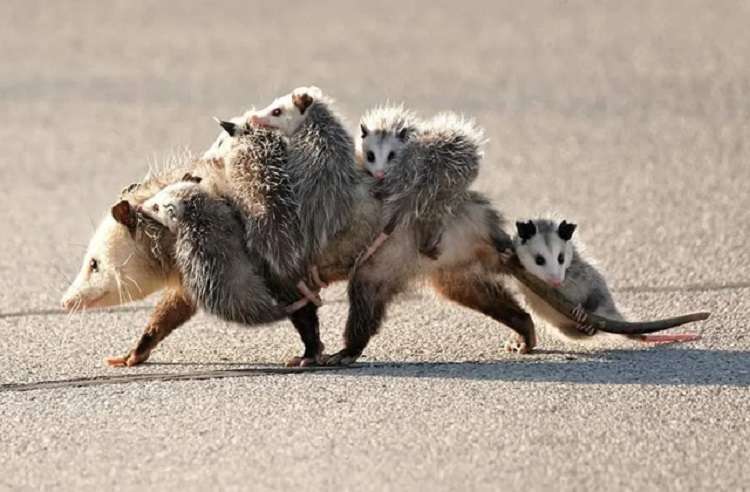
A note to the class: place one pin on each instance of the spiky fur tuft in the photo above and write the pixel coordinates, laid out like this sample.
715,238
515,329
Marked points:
324,175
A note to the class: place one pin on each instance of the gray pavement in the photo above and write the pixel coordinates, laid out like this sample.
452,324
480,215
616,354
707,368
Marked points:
629,117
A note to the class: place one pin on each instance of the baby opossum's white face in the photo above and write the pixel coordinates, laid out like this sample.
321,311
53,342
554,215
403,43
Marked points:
380,151
545,255
114,271
286,113
167,206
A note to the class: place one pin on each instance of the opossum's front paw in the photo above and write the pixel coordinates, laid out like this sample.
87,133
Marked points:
342,358
582,318
518,346
130,359
506,255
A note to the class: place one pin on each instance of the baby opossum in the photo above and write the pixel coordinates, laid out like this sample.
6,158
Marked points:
423,168
255,173
545,248
217,269
321,163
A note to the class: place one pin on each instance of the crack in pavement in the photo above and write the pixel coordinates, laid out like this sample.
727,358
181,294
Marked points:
169,377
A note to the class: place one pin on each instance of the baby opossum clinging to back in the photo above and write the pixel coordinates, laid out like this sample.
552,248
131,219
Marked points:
320,165
217,269
545,248
423,169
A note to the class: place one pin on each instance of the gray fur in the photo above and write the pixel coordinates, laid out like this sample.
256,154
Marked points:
256,168
429,176
217,270
324,176
583,284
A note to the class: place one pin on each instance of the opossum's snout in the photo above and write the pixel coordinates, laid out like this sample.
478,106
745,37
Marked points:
258,121
379,174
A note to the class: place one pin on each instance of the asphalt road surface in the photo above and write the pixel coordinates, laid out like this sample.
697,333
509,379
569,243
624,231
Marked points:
630,118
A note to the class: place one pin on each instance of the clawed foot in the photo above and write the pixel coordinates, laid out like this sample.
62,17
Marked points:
582,318
307,361
517,346
129,360
506,255
673,338
342,358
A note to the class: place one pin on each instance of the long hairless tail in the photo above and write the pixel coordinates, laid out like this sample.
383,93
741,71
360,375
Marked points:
561,304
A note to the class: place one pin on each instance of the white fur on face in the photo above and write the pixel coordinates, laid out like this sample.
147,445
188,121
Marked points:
550,248
282,114
166,207
113,271
379,152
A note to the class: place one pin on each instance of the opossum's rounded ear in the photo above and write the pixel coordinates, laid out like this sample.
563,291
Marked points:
123,213
565,230
302,101
191,178
231,128
403,133
364,129
526,230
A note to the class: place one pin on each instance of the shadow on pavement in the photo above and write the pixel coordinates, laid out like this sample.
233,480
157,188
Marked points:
666,367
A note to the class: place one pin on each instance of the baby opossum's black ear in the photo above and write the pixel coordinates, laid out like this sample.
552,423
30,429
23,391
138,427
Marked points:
364,129
302,101
123,213
191,178
526,230
402,134
565,230
229,127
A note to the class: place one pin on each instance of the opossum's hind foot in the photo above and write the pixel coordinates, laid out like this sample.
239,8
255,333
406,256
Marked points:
130,359
667,339
517,346
583,321
307,360
342,358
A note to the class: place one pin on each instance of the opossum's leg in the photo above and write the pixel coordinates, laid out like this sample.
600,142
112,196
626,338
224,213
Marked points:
172,310
367,306
306,321
489,297
429,235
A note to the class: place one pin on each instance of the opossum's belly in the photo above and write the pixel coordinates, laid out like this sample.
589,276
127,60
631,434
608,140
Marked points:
342,251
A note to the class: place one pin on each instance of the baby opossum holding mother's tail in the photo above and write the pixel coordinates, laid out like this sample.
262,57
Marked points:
546,249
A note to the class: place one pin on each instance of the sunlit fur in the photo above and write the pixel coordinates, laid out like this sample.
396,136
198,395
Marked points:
216,267
576,278
321,165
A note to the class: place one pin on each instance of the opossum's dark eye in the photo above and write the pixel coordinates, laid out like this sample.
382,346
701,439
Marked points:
93,265
391,155
560,258
155,207
370,156
276,112
540,260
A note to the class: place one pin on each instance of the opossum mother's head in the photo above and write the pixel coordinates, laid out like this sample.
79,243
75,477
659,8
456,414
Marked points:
119,266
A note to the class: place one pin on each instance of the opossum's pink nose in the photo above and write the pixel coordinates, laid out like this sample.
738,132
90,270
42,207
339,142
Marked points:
67,303
379,174
256,120
554,282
